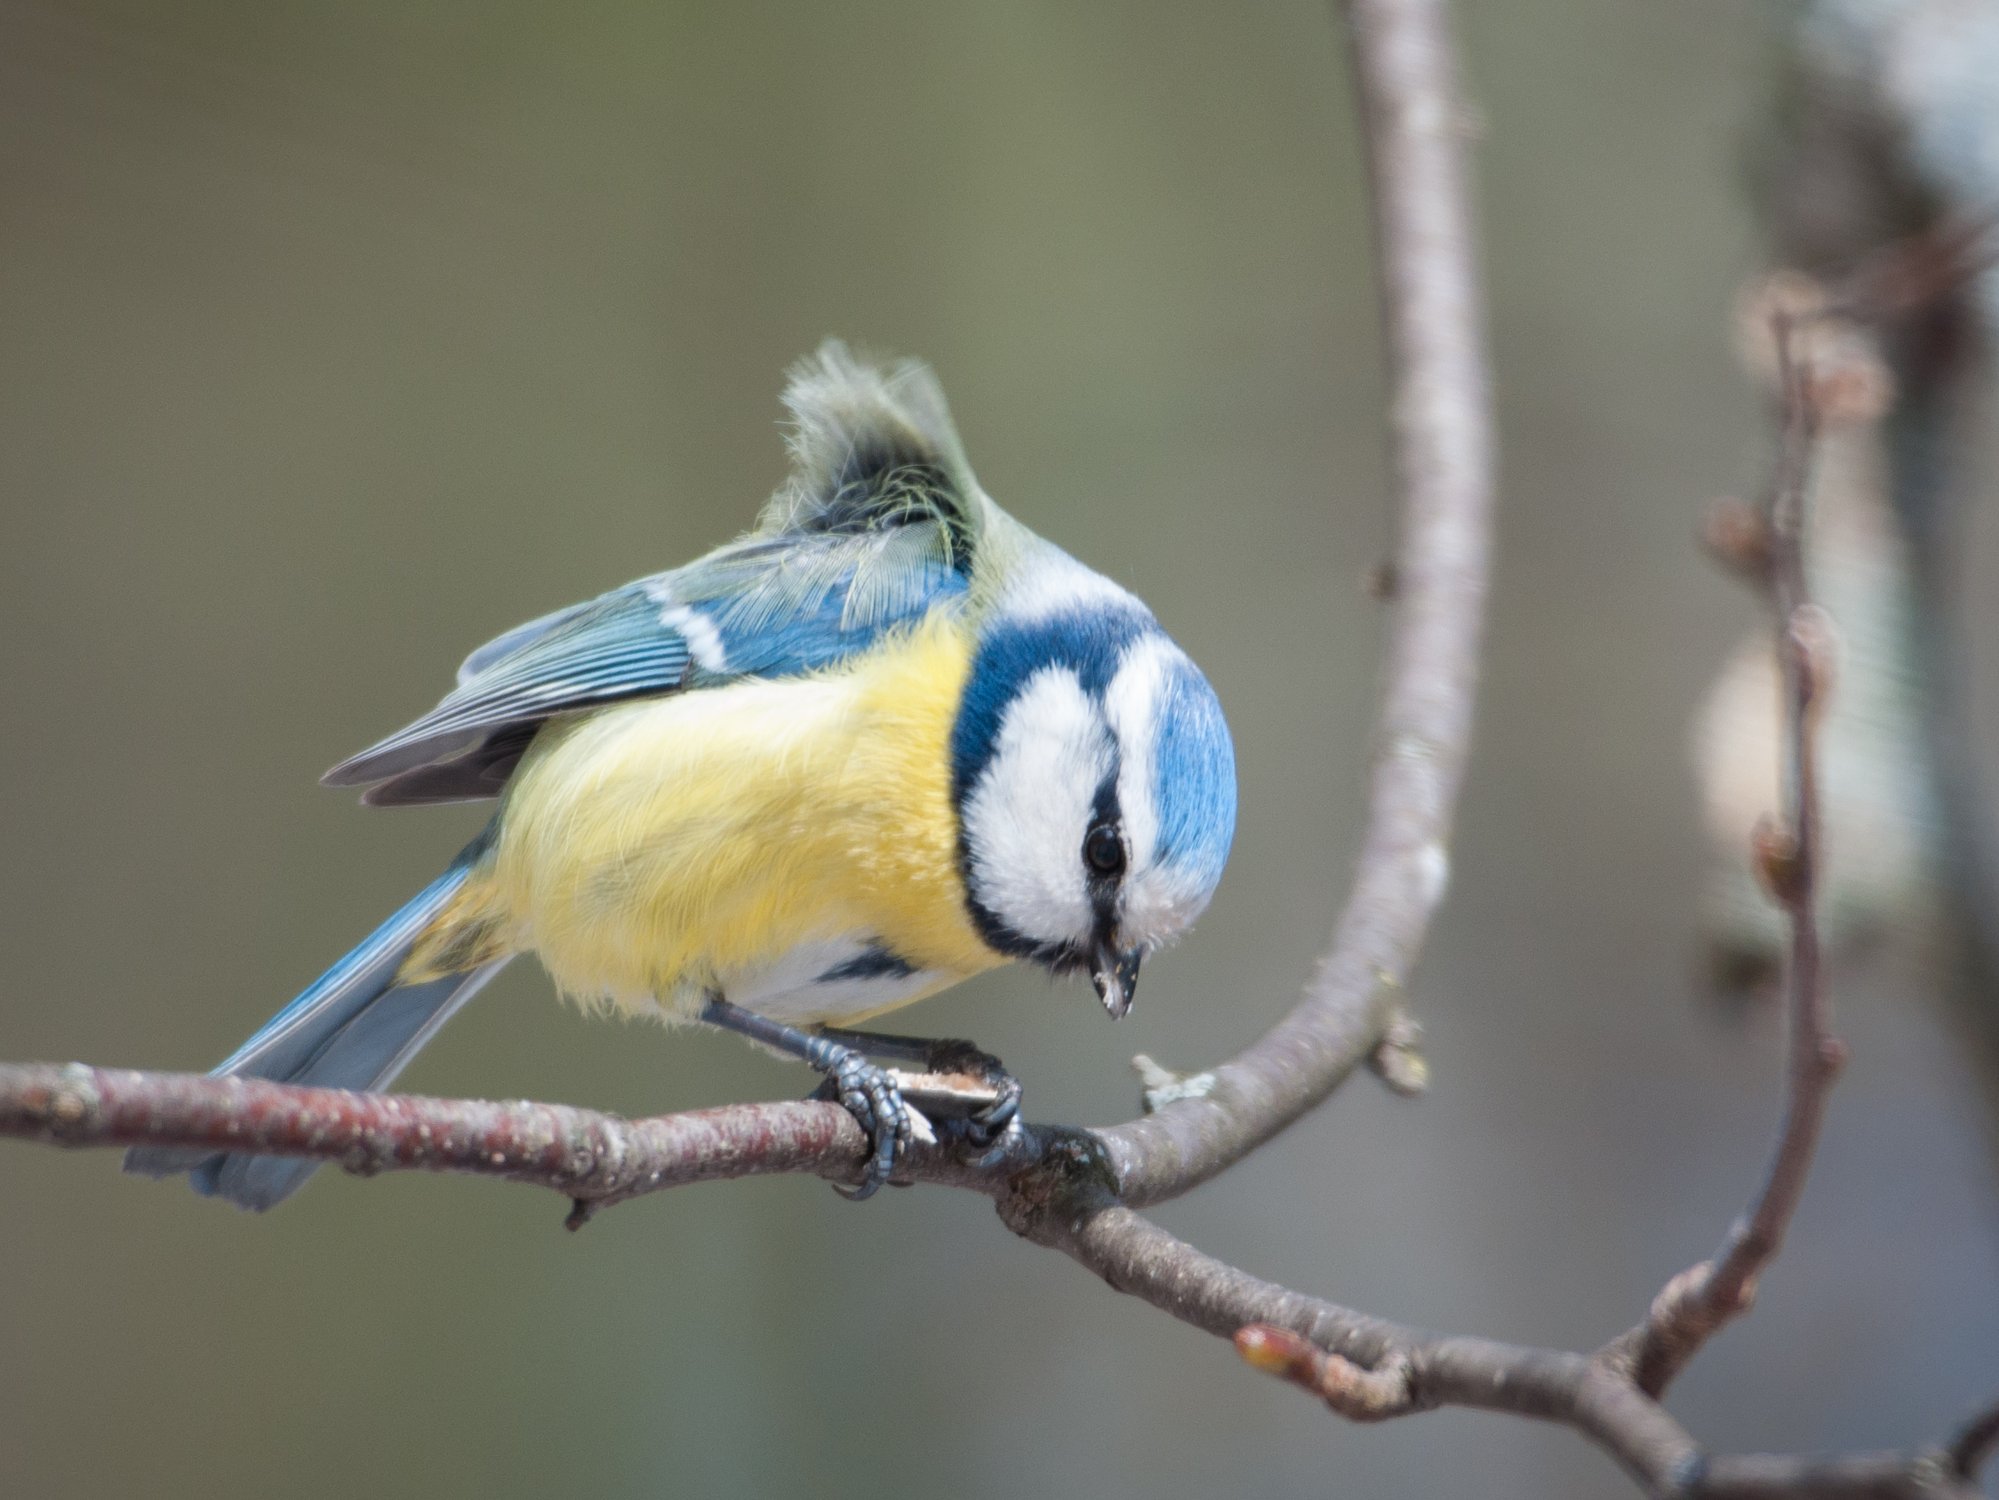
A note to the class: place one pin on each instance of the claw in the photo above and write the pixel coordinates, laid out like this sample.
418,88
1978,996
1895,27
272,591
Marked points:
870,1095
997,1118
986,1128
979,1155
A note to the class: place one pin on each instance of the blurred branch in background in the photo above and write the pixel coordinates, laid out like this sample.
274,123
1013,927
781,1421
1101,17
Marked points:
1612,1397
1770,549
1078,1191
1881,155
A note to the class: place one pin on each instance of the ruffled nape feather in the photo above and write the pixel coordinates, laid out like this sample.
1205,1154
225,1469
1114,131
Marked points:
873,449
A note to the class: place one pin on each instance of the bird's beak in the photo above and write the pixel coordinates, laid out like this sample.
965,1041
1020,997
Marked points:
1116,976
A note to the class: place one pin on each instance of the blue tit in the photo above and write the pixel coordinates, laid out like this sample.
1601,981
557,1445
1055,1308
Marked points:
887,740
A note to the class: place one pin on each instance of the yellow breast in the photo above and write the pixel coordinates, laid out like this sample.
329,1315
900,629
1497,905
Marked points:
652,851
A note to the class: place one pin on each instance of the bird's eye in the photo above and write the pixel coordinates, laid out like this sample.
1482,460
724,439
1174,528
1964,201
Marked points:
1103,850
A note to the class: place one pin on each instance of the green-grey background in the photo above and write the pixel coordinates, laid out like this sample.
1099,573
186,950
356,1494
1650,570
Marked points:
335,338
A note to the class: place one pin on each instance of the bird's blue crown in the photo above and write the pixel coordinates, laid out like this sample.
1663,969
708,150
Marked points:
1093,774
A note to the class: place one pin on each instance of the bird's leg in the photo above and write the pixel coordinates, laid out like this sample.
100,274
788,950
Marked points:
947,1055
867,1092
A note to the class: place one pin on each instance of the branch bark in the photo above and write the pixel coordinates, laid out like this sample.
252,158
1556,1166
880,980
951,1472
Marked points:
591,1158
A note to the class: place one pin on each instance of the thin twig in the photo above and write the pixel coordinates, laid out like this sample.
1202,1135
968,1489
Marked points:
1442,447
1846,1476
1700,1301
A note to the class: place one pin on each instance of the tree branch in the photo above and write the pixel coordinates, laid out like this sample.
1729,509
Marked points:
592,1158
1441,430
1700,1301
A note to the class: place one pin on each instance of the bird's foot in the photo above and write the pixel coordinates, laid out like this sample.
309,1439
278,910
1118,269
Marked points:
869,1093
985,1128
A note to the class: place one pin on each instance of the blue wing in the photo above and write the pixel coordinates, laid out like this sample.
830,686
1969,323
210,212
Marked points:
877,526
743,616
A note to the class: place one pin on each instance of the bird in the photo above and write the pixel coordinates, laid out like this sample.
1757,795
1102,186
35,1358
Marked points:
886,740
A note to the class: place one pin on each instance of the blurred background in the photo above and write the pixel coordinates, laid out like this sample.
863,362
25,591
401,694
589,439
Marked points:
335,339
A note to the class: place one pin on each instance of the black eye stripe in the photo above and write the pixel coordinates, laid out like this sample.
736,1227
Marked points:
1103,888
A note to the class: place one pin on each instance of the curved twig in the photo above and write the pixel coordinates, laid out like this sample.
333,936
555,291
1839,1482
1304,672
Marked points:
1441,428
1699,1302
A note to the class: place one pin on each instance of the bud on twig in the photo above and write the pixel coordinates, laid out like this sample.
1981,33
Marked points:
1814,646
1779,866
1398,1060
1280,1352
1737,536
1354,1391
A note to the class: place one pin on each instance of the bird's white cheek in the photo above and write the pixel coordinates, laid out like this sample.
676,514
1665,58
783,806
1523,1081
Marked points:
1025,819
1160,904
1131,705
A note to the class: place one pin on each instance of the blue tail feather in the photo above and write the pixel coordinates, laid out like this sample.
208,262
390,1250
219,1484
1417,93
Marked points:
352,1028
